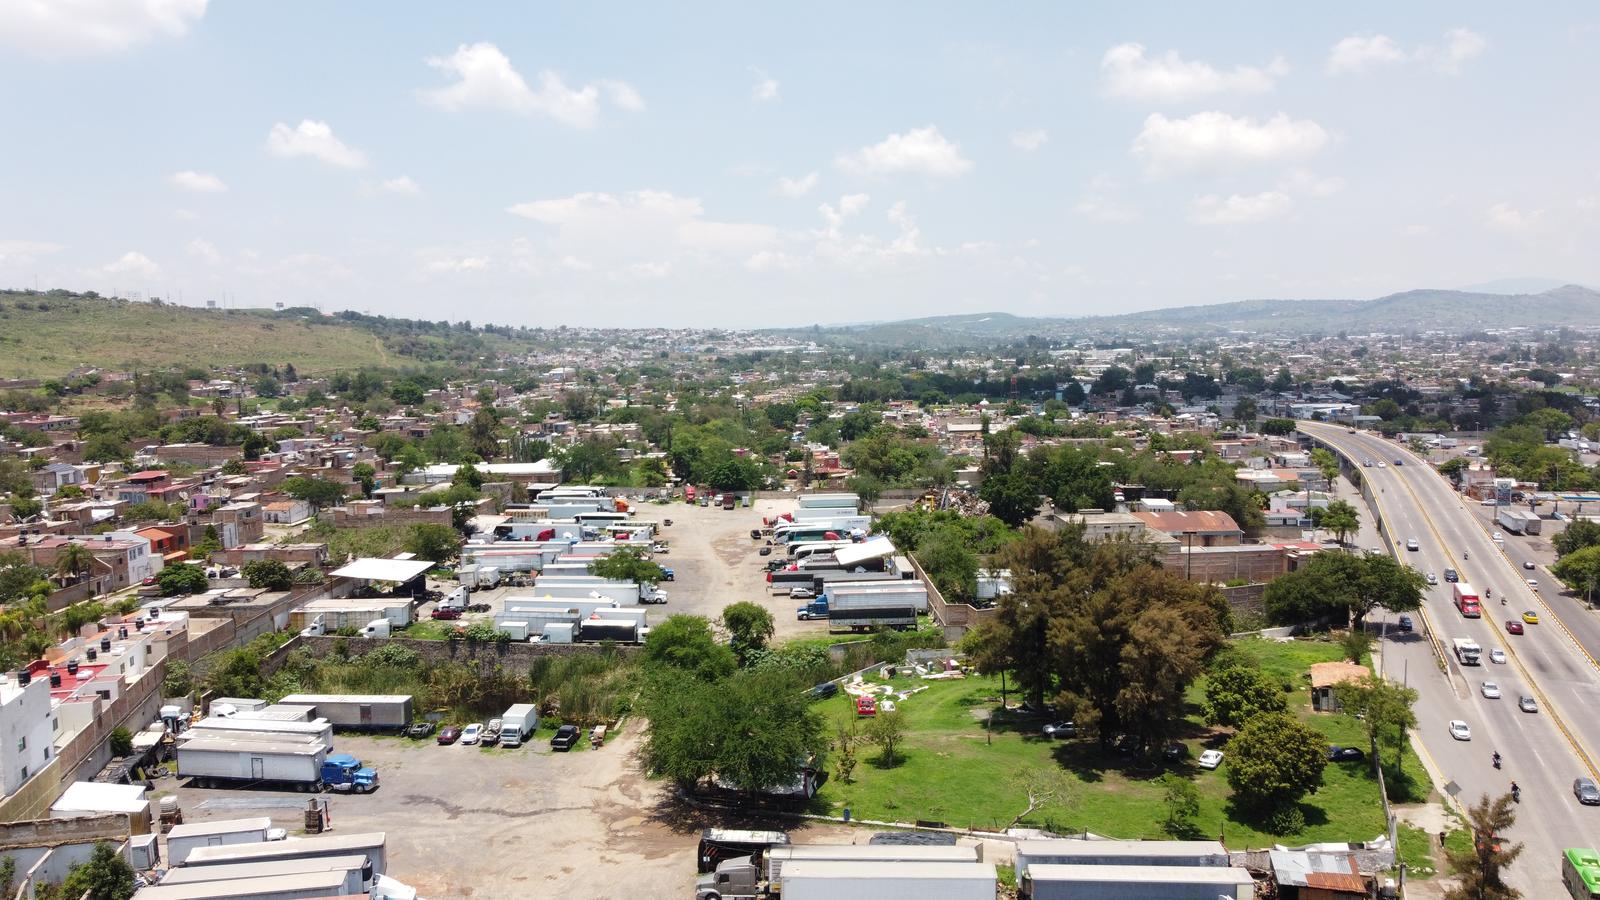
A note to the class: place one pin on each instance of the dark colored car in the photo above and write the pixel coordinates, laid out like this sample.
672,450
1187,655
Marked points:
1405,623
1451,576
1513,626
447,615
566,737
764,551
1175,752
449,734
1337,753
420,730
823,691
1587,792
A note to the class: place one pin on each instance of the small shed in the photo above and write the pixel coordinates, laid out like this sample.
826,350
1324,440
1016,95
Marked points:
1325,676
1318,875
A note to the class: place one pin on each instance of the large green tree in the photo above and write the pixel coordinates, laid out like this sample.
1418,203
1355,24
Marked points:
1340,518
182,578
104,876
752,729
1580,570
1238,694
1578,534
270,574
432,541
1385,710
750,625
628,564
1480,869
1275,760
686,643
1343,585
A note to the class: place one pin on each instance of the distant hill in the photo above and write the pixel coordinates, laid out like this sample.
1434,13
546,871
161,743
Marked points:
1419,310
1515,286
48,334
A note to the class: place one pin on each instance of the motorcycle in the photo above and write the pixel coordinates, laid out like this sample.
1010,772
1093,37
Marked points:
1516,793
1497,760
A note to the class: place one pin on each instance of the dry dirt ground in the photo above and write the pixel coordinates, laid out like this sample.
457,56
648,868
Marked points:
467,822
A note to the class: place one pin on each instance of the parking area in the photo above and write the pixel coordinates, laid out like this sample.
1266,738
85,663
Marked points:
489,823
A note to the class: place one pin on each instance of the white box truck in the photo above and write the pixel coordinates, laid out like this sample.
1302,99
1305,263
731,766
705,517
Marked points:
518,724
1467,651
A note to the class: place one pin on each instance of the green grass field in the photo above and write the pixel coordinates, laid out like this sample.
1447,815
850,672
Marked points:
957,770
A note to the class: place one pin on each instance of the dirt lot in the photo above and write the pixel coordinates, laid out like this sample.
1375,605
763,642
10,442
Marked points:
468,822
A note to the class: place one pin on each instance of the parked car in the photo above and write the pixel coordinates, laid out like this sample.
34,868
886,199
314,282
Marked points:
1460,730
1497,656
1531,617
1211,759
472,733
823,691
655,597
1405,624
449,735
1337,753
491,733
1527,704
1174,752
764,551
1513,626
1490,690
566,736
445,615
802,594
420,730
1587,792
866,706
1061,730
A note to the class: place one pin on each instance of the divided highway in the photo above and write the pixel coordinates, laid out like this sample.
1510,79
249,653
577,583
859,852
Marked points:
1542,751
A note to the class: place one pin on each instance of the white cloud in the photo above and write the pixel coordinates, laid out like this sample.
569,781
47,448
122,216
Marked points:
1359,53
1169,78
920,151
1239,209
623,224
1363,53
798,187
84,27
1417,230
198,182
446,264
22,253
1506,217
133,263
185,215
1217,141
765,89
1102,209
487,80
403,185
1029,140
203,250
850,204
1300,182
834,216
316,140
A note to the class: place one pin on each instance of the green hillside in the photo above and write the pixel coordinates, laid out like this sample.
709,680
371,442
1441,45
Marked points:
49,334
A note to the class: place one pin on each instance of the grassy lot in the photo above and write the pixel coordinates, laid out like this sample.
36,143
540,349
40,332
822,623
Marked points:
956,770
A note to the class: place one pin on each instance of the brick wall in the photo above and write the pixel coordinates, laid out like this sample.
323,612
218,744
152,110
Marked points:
1246,600
51,832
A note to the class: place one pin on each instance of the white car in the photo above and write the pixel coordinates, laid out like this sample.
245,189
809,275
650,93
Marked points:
1490,690
1497,656
1433,578
1211,759
1533,584
472,733
802,594
1382,464
1460,730
1411,544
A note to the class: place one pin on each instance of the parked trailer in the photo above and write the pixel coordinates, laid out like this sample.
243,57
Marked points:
618,630
871,618
214,759
585,605
228,706
843,596
356,868
1121,853
1518,521
274,729
280,712
749,876
279,887
369,844
1132,882
834,880
718,844
182,839
831,501
363,712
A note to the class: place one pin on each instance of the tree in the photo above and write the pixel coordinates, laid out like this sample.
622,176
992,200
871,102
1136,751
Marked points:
121,741
1578,534
1580,570
1238,694
106,876
1012,497
268,574
750,625
888,731
73,561
366,476
1481,868
1385,710
846,736
182,578
947,556
105,448
1343,584
628,564
433,542
1355,643
316,491
1245,410
1340,518
1278,427
178,681
24,508
686,643
1326,463
753,729
1182,800
1275,760
868,488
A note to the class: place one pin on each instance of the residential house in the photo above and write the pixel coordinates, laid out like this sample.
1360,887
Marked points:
55,476
1199,528
25,729
285,511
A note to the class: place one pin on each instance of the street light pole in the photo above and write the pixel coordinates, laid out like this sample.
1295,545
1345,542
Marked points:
1188,558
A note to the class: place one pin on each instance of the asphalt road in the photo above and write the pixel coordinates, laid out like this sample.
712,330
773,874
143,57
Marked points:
1544,751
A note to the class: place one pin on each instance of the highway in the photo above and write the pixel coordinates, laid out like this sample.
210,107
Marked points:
1543,751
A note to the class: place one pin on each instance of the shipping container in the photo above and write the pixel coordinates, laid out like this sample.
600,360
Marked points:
359,877
236,727
1045,881
211,759
279,887
832,880
360,712
369,844
183,839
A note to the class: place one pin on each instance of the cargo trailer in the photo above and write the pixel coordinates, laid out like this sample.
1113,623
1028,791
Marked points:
763,871
357,869
863,880
1046,881
215,760
278,887
1121,853
359,712
217,726
620,631
369,844
182,839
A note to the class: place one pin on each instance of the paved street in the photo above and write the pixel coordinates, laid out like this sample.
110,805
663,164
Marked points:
1542,751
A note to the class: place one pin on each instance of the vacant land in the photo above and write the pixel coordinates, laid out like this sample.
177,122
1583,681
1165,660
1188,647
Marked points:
962,769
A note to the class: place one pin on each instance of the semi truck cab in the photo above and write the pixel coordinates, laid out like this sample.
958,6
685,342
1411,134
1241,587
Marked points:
816,609
344,772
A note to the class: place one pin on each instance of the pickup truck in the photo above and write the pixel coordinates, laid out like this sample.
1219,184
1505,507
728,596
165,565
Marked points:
491,733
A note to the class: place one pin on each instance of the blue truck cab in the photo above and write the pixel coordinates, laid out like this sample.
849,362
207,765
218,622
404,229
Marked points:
344,772
816,609
667,574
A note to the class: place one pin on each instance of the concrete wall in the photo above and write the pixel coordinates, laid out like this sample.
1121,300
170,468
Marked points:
53,832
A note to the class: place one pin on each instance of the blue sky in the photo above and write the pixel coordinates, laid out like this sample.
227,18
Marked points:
760,164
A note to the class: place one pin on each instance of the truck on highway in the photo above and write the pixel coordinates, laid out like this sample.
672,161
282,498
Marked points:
761,873
1518,521
1468,653
1465,597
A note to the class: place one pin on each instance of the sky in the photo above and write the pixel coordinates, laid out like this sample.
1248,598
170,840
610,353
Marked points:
747,165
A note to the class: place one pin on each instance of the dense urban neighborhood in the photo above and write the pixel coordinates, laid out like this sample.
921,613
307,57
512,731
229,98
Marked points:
1045,616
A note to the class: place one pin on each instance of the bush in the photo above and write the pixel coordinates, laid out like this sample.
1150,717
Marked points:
268,574
1287,820
121,741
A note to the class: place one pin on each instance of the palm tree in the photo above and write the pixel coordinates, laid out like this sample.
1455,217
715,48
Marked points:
73,561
